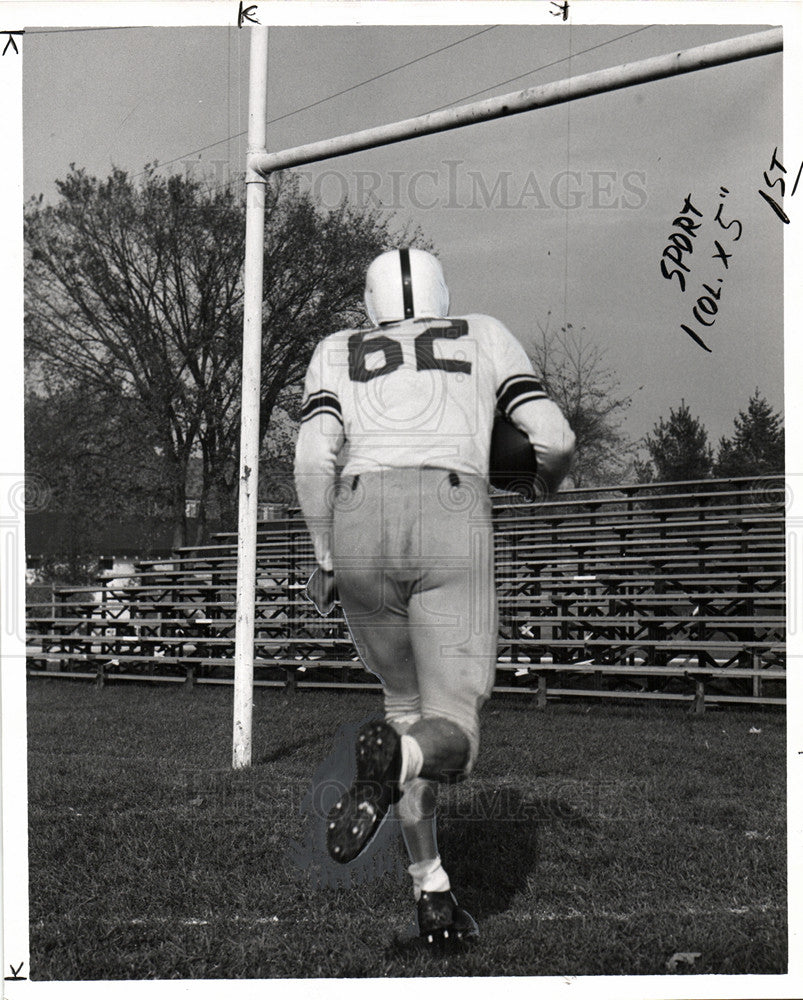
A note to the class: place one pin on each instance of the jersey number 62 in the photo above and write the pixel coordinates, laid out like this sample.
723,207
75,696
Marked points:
425,360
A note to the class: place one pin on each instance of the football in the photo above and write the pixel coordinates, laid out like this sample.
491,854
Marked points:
513,467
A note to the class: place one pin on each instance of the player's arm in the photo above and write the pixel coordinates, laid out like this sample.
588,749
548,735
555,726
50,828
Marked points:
521,398
320,438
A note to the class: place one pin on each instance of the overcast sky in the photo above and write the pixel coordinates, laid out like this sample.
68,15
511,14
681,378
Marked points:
564,211
128,97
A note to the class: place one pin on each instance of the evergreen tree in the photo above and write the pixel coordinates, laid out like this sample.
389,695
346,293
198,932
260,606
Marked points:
679,448
757,445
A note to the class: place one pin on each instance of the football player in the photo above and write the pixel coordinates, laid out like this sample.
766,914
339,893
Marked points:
403,538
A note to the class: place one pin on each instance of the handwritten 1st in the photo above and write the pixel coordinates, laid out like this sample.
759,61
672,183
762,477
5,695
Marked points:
780,183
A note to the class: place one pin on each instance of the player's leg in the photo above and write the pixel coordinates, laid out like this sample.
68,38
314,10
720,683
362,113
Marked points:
384,645
416,802
454,633
452,690
416,813
441,921
453,628
382,640
441,541
373,594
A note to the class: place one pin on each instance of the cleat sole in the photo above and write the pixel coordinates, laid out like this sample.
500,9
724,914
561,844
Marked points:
355,818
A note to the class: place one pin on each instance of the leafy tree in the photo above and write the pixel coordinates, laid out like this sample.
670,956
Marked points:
90,452
575,375
757,445
136,289
277,483
678,448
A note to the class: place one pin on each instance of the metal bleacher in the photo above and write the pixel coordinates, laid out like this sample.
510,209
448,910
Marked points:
663,591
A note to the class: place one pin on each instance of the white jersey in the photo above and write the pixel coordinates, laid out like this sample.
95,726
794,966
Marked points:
420,393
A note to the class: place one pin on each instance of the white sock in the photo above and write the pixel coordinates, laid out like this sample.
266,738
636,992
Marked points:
429,876
412,759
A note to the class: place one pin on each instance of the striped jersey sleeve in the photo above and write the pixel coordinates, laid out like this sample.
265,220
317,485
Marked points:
516,383
318,402
320,387
518,389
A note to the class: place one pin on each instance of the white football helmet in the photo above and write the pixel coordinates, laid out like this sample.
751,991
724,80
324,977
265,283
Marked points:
401,284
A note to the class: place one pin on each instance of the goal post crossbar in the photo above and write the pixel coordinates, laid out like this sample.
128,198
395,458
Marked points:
547,95
260,164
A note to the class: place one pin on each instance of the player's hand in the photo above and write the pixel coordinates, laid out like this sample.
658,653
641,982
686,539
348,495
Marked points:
321,589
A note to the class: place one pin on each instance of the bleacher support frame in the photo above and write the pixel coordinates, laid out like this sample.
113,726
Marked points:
664,592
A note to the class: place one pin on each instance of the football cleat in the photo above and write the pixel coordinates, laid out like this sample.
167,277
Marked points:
443,924
356,816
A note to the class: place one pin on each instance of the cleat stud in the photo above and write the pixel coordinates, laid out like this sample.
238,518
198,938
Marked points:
332,825
429,939
379,742
445,934
355,830
337,850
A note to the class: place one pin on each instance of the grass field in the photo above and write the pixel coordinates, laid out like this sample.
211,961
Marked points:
590,840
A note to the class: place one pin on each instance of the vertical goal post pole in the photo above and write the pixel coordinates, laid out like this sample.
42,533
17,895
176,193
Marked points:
255,184
260,163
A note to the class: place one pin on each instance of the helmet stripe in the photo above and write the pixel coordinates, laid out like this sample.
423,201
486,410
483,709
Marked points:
407,283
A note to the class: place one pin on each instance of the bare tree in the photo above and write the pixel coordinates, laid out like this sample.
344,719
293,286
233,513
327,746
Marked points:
138,286
576,376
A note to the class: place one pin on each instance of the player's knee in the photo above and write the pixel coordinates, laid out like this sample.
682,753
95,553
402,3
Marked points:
446,748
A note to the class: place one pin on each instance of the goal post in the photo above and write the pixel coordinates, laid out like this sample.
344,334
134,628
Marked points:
260,163
547,95
249,417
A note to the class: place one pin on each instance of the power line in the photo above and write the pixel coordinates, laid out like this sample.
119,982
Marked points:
330,97
556,62
502,83
362,83
387,72
465,97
